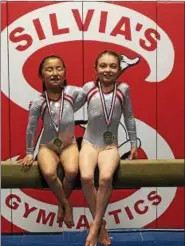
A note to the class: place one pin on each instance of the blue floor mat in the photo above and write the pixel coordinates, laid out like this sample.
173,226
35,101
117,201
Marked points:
121,238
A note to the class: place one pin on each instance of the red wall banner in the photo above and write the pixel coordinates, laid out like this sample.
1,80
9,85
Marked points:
78,32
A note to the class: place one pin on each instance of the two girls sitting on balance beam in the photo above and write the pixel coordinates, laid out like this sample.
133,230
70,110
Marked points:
107,99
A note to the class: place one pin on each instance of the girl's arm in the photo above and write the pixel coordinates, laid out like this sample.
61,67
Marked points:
129,119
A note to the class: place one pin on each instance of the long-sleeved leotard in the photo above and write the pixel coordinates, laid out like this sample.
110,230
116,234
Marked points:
66,130
96,119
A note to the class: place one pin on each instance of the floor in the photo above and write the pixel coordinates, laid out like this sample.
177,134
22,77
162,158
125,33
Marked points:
119,238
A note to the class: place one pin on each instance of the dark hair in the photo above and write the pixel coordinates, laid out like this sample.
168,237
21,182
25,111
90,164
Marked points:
109,52
41,66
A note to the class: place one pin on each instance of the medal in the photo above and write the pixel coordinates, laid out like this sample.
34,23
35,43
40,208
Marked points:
108,135
57,141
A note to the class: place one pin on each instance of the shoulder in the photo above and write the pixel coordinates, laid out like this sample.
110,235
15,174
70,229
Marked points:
37,103
70,89
89,85
123,87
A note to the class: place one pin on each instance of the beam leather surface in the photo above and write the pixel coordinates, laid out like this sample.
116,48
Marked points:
130,174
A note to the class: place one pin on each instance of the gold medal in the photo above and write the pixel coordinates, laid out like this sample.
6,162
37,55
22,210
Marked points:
58,142
108,137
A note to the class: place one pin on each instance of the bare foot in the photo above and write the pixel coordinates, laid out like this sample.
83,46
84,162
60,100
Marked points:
68,215
60,214
92,238
103,236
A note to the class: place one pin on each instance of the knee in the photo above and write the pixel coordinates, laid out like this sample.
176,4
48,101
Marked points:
50,176
71,175
105,180
87,179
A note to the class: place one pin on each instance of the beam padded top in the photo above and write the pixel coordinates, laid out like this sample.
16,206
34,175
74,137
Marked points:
130,174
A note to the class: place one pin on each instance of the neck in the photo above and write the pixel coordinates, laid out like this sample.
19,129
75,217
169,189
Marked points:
54,94
107,87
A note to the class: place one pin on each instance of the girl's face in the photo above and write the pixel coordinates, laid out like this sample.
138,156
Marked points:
53,73
108,68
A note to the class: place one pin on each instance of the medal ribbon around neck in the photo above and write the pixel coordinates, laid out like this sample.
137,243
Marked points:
107,116
60,111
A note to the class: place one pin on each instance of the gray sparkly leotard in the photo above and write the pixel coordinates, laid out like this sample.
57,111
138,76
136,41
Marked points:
39,109
96,120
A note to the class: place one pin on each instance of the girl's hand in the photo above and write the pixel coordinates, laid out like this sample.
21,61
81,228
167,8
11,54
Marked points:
133,154
26,163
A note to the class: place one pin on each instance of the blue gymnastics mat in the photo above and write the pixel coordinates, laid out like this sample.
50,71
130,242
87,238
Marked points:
119,238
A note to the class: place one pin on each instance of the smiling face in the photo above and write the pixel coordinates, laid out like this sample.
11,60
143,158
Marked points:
52,72
107,68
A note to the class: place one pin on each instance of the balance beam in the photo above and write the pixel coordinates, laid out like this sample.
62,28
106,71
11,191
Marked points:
130,174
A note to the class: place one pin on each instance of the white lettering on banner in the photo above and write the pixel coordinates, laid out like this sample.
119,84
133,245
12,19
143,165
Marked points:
137,210
62,22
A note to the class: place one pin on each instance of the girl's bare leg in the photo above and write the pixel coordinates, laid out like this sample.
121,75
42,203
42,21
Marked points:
108,161
69,159
87,163
48,162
